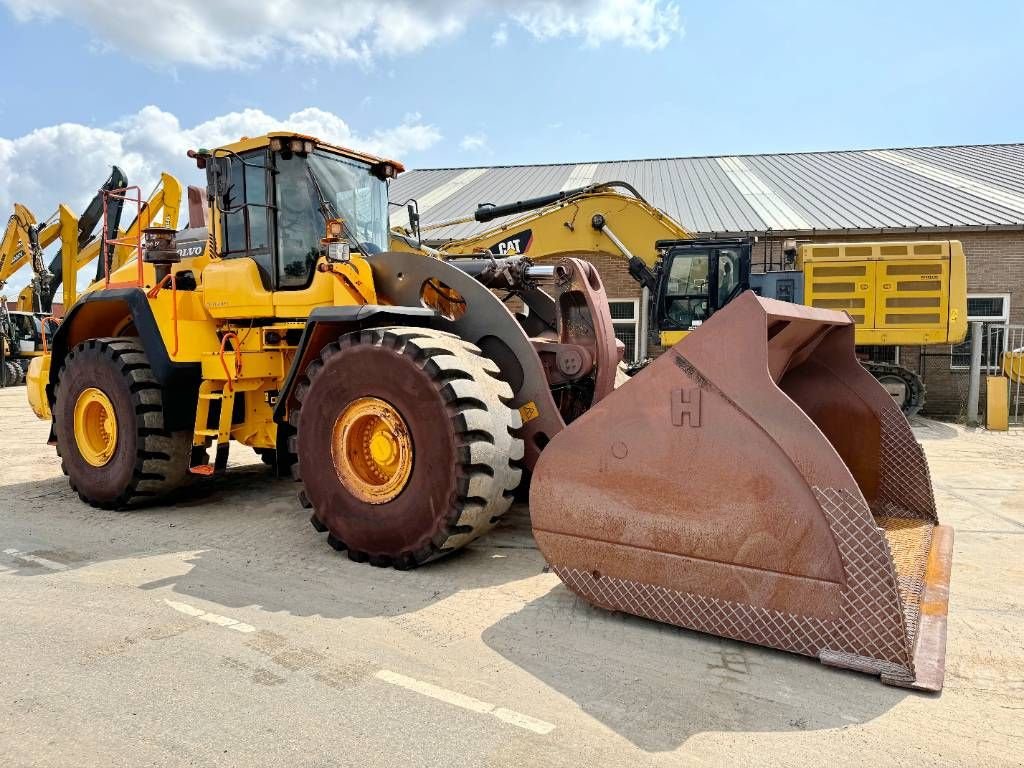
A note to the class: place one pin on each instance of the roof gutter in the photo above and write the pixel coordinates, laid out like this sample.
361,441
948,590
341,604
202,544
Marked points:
951,228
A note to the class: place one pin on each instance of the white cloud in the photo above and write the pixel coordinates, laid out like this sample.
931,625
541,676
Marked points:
66,163
241,33
500,36
474,142
646,24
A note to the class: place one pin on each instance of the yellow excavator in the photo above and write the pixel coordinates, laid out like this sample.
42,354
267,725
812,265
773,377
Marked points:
898,293
409,402
79,241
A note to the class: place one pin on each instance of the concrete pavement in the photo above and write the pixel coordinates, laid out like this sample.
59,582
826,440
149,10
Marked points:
224,631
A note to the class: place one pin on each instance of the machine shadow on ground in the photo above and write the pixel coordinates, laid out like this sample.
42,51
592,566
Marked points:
254,546
930,429
658,685
653,684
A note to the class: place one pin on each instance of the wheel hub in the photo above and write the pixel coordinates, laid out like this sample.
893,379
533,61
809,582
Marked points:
95,427
372,450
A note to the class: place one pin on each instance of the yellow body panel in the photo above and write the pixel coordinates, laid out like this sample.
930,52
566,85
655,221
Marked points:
997,403
897,292
957,299
669,338
35,384
233,288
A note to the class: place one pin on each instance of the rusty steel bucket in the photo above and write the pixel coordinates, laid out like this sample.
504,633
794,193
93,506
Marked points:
755,482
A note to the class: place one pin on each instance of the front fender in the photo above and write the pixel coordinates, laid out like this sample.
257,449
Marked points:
126,312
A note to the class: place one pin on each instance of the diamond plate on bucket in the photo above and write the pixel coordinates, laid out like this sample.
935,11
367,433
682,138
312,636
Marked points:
905,483
869,630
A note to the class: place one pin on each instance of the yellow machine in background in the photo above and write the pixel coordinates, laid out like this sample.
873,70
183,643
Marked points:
79,242
898,293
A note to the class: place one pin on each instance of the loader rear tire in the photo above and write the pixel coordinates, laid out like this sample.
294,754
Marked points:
109,422
452,461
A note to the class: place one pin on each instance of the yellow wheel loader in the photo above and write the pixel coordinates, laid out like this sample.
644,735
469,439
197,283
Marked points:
898,293
753,482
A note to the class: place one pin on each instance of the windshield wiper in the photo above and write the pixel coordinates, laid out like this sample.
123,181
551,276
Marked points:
329,211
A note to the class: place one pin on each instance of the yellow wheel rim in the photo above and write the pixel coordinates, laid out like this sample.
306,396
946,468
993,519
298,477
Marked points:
95,427
372,450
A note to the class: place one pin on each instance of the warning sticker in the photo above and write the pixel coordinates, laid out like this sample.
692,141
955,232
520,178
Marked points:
528,411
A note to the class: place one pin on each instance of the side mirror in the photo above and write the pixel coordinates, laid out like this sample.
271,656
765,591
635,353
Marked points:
218,177
414,221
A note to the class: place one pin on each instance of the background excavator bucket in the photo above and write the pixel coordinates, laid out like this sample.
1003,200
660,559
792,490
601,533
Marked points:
755,482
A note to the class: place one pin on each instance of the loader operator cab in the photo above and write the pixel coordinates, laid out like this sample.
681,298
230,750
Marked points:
696,278
275,199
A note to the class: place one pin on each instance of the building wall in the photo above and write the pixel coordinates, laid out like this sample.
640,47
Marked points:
995,264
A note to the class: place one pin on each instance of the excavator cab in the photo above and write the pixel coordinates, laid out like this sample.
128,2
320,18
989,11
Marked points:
696,278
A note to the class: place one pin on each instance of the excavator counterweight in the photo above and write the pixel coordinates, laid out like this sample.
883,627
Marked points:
756,482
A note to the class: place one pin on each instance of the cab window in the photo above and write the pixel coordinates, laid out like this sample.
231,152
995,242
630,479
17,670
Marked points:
245,218
686,289
300,223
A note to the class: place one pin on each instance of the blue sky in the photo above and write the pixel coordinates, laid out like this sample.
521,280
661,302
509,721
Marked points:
739,77
489,82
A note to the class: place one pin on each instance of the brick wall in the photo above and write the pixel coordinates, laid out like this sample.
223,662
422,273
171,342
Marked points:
995,264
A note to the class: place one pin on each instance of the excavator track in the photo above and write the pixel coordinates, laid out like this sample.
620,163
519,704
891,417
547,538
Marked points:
888,373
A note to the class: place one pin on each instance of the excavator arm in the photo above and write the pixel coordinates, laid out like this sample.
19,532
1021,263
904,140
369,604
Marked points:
80,243
161,209
610,218
24,242
19,245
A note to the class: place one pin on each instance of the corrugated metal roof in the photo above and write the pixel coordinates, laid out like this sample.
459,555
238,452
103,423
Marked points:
907,189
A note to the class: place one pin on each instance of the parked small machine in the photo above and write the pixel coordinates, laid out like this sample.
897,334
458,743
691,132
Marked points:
754,481
898,293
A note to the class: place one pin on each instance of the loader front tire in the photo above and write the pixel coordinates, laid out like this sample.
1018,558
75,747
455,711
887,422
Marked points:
405,444
109,421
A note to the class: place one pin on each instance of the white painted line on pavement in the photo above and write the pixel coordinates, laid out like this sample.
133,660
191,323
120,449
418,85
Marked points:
465,702
53,566
510,716
520,720
213,618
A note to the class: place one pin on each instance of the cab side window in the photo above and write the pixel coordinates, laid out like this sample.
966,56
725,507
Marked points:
300,224
245,216
729,273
